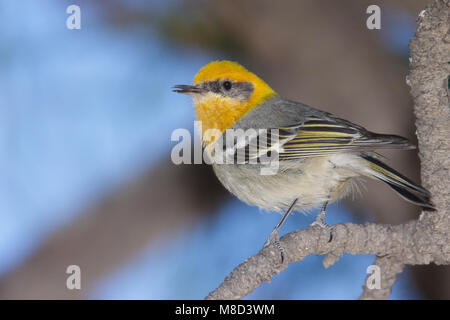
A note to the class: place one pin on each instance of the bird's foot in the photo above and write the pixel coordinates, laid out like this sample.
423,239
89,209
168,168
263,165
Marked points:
319,222
275,240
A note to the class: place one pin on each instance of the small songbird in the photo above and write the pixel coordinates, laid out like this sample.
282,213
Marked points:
319,155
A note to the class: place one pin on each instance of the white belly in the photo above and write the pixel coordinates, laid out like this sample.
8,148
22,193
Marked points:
313,181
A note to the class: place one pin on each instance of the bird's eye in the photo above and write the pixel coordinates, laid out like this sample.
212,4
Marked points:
227,85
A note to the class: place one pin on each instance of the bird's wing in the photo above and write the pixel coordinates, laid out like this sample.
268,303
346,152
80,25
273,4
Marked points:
316,137
295,131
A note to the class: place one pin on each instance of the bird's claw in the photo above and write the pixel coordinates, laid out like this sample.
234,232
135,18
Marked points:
319,222
275,240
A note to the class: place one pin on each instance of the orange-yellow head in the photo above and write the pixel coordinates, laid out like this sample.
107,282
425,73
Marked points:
222,92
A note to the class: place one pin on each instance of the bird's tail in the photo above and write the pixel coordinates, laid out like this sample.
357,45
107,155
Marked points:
403,186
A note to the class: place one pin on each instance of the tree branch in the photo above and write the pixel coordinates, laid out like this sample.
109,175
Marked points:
421,241
404,242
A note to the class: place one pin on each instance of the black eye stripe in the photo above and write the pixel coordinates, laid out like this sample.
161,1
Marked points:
241,90
213,86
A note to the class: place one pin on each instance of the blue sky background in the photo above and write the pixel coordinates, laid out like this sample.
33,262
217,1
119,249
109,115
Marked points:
82,112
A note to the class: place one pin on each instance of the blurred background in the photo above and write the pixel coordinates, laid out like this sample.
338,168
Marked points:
85,123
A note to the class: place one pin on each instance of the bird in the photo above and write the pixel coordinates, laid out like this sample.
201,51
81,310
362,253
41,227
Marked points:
319,156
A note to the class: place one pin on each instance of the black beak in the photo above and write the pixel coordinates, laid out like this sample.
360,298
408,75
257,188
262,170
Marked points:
187,89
